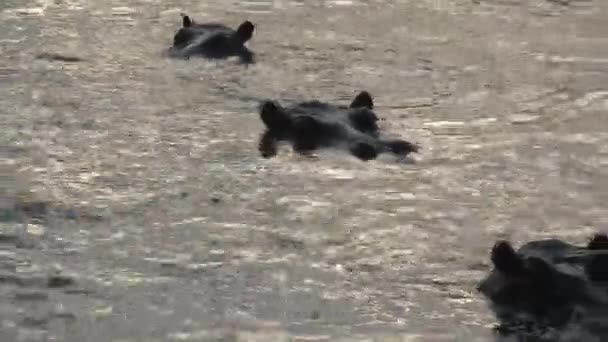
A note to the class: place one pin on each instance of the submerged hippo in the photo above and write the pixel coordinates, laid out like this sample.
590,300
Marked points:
314,124
548,282
212,40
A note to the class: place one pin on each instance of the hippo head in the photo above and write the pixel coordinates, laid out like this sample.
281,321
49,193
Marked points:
531,285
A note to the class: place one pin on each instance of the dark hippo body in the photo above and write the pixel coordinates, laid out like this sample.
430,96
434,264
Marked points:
212,40
314,124
549,283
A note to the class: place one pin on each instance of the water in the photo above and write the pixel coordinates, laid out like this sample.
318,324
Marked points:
141,180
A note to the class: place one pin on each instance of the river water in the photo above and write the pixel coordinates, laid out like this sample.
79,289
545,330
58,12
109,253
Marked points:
147,214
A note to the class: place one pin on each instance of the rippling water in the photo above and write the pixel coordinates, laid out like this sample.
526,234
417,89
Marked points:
148,213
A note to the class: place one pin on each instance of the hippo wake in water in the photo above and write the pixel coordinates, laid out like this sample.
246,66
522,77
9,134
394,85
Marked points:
313,124
549,284
212,40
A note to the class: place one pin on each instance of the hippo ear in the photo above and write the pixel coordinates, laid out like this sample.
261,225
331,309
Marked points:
186,21
599,241
270,114
276,118
362,100
245,31
506,260
268,108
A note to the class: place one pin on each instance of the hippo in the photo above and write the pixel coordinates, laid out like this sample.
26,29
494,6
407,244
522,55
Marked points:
597,267
212,40
548,283
314,124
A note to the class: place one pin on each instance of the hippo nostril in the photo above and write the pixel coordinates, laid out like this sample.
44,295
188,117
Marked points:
364,151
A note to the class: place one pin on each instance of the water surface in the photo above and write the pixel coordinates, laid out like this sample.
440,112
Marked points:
140,181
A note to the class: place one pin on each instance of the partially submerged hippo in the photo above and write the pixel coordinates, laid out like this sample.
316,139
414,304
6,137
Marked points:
548,282
314,124
212,40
